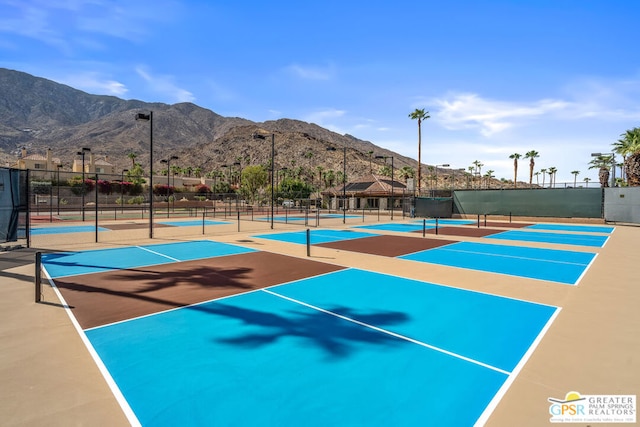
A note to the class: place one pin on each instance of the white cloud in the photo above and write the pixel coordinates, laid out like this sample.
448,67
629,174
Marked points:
311,73
94,83
164,85
470,111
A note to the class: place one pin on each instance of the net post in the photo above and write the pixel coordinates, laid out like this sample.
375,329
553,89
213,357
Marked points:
485,220
424,227
436,226
308,242
238,221
203,223
38,276
478,220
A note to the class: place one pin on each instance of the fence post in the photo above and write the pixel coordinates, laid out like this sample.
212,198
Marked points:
38,276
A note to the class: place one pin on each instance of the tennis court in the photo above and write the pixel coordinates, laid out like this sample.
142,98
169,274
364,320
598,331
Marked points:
198,332
566,267
553,237
39,231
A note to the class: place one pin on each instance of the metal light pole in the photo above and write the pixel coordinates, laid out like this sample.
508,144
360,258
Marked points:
58,181
446,165
122,190
82,153
168,162
149,118
344,181
273,155
392,181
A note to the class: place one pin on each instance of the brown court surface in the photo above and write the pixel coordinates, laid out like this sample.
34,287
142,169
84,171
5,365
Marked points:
462,231
103,298
134,226
390,246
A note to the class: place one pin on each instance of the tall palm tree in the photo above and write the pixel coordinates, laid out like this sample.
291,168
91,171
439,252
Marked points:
552,175
575,177
543,172
629,147
537,174
515,157
602,163
419,114
586,181
531,155
488,175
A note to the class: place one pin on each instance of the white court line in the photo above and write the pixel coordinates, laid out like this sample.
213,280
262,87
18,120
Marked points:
117,393
484,417
158,253
515,257
384,331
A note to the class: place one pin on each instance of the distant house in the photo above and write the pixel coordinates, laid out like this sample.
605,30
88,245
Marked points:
37,161
91,165
370,191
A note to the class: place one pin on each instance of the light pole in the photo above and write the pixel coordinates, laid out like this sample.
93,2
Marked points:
122,190
344,181
446,165
273,155
613,165
58,182
82,153
149,118
392,182
168,162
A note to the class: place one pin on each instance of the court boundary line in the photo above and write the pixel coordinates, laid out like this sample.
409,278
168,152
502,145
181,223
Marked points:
493,404
533,232
393,334
512,256
586,269
111,383
157,253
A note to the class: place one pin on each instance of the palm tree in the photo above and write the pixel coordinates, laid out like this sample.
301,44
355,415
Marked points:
515,157
575,177
629,147
531,155
552,174
543,172
132,156
419,115
488,175
602,163
586,181
537,174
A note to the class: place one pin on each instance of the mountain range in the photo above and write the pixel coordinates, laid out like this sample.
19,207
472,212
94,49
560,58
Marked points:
36,114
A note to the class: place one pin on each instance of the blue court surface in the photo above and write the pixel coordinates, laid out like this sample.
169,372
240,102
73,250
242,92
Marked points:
399,226
345,348
571,227
559,238
102,260
554,265
316,236
36,231
192,223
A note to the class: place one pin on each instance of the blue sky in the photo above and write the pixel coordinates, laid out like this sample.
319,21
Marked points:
560,77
